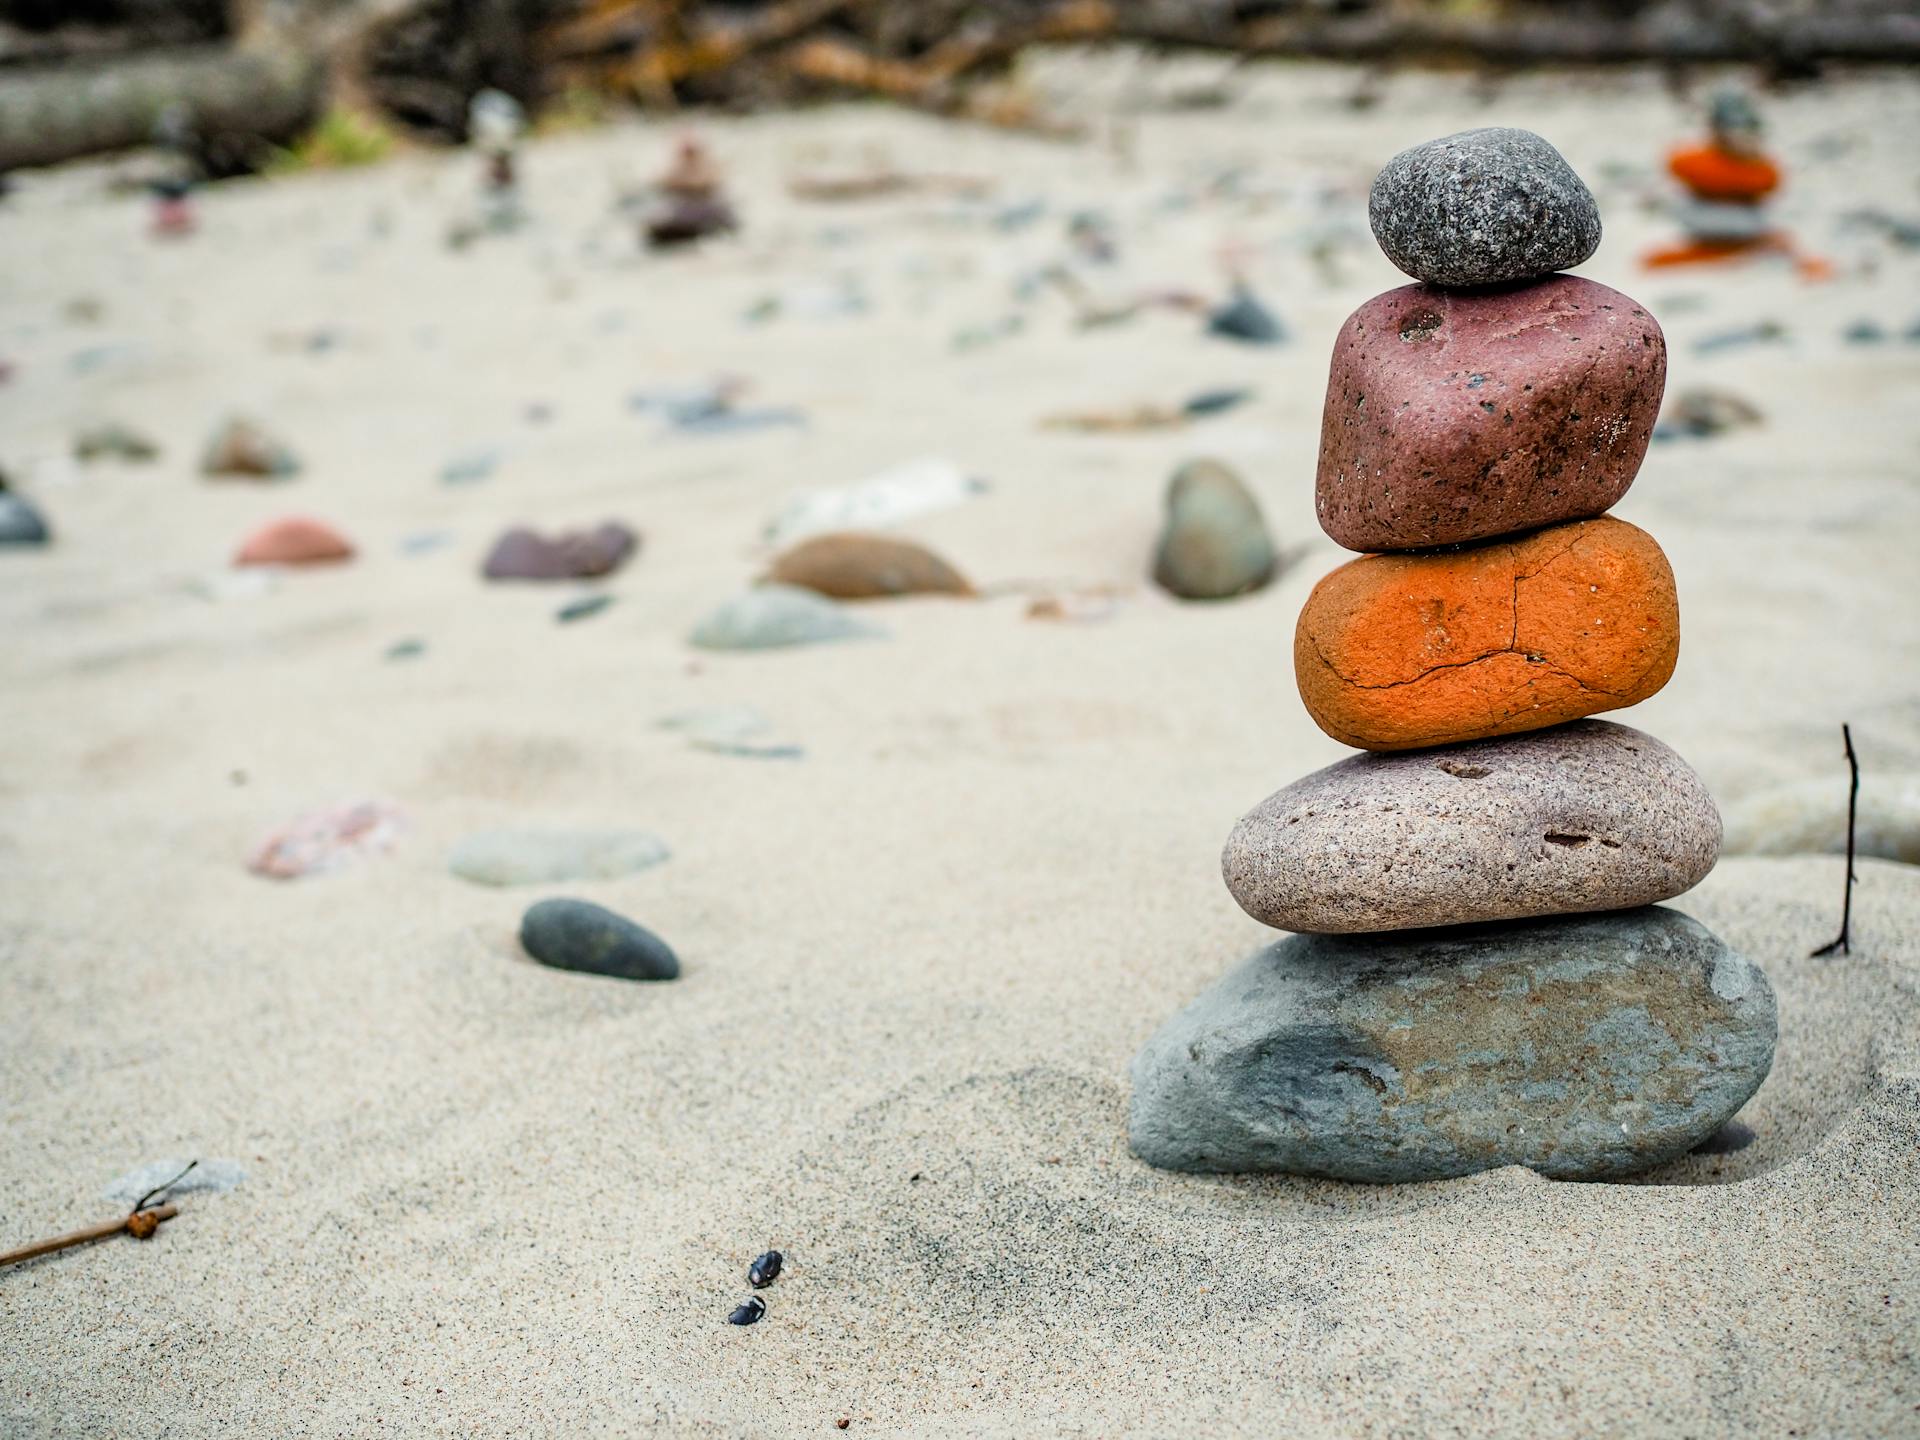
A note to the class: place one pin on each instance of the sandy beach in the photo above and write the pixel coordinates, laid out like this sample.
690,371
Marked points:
482,1197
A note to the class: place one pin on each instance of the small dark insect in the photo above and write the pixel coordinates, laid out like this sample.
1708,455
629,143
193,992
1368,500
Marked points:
749,1313
764,1271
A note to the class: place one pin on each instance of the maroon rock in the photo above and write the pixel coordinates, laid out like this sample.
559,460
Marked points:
520,554
1455,416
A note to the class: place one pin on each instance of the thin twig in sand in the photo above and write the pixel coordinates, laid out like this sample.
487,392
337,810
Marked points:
1853,809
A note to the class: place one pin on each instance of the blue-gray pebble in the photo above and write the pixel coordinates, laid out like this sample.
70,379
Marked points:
1484,207
577,935
20,523
1586,1048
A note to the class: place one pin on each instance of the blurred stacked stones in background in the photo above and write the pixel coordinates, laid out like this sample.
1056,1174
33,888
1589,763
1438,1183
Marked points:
1482,976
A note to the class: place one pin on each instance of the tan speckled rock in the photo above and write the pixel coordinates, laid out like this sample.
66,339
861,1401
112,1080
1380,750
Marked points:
1397,652
1587,816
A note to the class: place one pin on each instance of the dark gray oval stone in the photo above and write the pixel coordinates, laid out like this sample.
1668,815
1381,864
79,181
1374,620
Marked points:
1579,817
1585,1048
576,935
1484,207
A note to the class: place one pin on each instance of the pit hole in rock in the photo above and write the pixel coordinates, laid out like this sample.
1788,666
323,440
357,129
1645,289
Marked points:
1463,769
1569,841
1420,327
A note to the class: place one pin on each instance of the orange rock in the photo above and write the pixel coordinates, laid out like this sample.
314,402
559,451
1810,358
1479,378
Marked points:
1397,652
1716,174
294,540
850,565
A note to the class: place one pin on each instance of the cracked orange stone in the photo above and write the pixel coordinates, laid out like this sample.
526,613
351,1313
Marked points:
1397,652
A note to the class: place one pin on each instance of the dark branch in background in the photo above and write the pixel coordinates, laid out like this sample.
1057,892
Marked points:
1853,809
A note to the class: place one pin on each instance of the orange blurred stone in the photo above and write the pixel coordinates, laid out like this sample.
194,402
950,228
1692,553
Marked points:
293,540
1716,174
1397,652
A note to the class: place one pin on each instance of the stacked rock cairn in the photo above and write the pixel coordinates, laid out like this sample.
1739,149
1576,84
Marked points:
1480,974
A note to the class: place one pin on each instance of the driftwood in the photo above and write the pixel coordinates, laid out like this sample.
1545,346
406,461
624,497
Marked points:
238,101
1674,32
422,61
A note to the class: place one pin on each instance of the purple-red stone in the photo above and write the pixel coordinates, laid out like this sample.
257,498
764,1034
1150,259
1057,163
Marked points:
520,554
1454,416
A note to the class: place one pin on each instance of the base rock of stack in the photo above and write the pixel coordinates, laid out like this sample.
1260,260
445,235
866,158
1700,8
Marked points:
1454,417
1582,817
1587,1048
1398,652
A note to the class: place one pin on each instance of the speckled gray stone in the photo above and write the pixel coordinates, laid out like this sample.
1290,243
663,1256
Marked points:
1585,1048
1484,207
1214,544
576,935
1586,816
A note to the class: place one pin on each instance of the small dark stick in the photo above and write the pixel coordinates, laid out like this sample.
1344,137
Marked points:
1842,944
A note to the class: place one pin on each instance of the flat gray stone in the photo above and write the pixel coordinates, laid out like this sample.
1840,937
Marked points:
1214,544
547,857
576,935
1585,1048
773,617
1580,817
1484,207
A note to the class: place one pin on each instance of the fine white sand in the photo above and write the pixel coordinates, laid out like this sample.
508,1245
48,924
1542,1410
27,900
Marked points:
487,1198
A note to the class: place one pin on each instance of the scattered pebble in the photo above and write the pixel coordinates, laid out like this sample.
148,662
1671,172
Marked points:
470,468
915,488
576,935
583,608
1865,332
854,566
731,730
546,857
748,1313
1699,414
409,649
20,523
1760,332
1245,319
773,617
1214,544
521,554
765,1270
111,440
239,447
294,540
326,840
